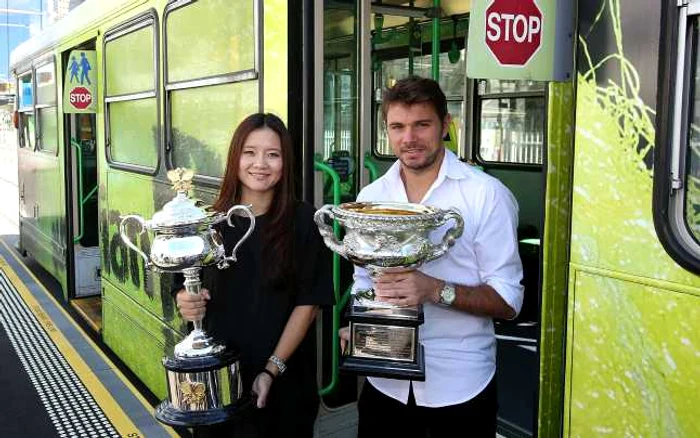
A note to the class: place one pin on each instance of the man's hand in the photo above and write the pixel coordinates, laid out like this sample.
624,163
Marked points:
192,307
407,288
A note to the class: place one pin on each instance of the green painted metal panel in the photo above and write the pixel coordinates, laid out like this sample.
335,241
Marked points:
555,255
133,131
129,68
139,338
201,143
633,311
276,52
634,358
210,38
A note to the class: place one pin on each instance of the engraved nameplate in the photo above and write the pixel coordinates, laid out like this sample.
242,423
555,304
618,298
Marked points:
387,342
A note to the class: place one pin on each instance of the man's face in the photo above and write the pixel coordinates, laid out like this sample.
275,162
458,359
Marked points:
415,134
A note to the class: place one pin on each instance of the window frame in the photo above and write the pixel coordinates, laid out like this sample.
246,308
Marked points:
679,47
50,59
254,74
139,22
476,121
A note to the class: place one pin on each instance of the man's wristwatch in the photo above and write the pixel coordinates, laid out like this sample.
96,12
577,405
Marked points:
279,363
447,295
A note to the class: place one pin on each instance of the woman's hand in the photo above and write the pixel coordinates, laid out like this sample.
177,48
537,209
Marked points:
192,307
261,388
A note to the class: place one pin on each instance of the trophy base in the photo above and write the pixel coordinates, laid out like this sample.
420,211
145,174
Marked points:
390,369
168,414
203,390
384,342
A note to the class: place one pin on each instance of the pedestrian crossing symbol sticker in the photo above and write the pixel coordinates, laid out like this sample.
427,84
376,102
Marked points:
80,91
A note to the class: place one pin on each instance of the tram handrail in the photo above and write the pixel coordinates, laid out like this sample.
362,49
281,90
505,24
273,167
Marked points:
319,165
81,200
371,166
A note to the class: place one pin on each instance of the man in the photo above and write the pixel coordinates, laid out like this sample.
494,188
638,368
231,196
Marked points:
477,280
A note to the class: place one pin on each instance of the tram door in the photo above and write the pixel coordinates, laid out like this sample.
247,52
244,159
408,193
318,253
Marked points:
369,45
81,162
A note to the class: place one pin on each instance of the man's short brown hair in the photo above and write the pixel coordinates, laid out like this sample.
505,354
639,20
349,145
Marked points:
413,90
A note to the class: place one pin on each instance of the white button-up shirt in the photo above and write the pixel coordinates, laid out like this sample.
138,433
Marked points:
460,348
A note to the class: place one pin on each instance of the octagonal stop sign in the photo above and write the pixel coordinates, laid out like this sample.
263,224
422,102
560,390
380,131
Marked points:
80,97
513,30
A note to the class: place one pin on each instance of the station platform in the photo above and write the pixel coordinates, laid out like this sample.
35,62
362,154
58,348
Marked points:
55,380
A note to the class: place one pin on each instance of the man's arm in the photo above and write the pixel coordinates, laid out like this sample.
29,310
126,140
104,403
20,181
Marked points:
415,287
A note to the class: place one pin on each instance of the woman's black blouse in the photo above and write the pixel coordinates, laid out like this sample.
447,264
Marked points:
248,312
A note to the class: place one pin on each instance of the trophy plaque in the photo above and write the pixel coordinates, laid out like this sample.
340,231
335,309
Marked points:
203,377
386,237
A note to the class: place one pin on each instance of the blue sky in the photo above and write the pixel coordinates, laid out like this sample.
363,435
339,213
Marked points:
18,18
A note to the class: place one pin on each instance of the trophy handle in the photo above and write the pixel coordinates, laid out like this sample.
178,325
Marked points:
125,237
229,214
327,231
450,236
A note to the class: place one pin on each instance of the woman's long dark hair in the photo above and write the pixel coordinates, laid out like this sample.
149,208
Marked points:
277,233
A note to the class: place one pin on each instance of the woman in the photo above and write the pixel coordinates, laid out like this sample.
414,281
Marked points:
264,304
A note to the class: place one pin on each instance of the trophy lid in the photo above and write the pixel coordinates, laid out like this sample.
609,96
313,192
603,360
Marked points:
180,210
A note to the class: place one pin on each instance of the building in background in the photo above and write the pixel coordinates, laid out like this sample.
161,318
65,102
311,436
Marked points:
19,21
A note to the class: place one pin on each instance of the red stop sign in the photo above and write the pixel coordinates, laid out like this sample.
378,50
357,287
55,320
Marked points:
513,30
80,97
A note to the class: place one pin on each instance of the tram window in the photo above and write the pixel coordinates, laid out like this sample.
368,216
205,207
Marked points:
692,150
26,92
128,74
25,104
46,112
223,46
46,84
132,127
451,80
201,143
48,125
131,97
677,156
27,130
510,122
205,68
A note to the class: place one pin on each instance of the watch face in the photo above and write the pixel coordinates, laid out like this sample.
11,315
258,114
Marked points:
447,296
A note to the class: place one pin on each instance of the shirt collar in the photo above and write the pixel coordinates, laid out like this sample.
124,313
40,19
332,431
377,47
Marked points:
451,167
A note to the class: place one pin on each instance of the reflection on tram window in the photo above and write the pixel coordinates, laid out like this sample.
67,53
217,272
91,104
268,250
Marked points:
452,79
27,130
511,121
692,183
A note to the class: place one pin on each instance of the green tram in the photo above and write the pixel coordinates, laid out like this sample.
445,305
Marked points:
605,166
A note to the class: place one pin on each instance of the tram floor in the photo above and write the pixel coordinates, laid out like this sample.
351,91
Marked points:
90,308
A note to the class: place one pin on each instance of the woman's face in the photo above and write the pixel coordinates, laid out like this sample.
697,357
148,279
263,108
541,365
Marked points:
260,166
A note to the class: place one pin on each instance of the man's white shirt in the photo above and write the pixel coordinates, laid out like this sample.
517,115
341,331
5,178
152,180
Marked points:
460,348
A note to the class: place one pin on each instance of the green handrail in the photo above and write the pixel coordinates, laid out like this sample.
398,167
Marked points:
81,200
435,55
320,166
371,166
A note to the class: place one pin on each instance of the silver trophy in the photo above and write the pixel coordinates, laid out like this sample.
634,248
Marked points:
385,237
203,377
